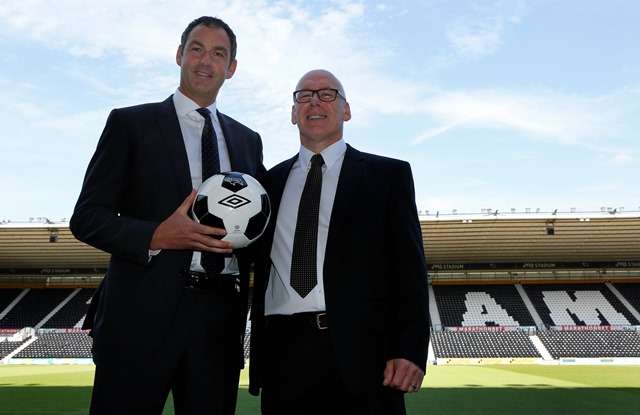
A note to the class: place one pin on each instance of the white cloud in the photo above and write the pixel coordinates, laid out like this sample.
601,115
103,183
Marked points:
277,43
480,32
545,114
623,158
133,44
476,40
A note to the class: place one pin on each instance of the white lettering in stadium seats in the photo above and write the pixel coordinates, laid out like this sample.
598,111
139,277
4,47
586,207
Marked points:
585,308
477,315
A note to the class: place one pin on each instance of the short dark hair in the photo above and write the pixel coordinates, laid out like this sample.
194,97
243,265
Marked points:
211,22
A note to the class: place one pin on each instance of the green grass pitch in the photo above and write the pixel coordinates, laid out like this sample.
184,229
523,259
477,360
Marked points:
493,390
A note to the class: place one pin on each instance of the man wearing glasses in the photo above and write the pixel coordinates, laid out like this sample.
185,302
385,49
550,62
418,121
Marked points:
339,316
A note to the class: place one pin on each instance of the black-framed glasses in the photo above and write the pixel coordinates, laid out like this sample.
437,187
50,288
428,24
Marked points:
302,96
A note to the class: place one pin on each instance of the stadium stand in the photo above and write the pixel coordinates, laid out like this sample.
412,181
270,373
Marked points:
578,305
593,344
7,347
481,305
473,263
71,313
7,296
33,307
483,345
247,339
631,292
58,345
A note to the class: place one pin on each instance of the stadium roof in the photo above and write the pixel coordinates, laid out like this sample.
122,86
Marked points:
544,237
448,239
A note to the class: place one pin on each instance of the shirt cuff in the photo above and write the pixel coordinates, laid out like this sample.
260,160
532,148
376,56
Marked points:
152,253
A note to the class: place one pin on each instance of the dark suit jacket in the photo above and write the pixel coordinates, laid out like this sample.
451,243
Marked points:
137,177
375,279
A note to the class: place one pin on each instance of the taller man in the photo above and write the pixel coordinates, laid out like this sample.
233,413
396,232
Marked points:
166,317
339,316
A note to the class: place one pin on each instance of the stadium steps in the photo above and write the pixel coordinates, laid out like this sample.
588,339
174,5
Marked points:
540,347
58,345
530,307
624,301
57,308
14,302
431,354
19,349
434,314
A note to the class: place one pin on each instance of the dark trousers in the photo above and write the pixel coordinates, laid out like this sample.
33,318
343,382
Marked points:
198,361
301,376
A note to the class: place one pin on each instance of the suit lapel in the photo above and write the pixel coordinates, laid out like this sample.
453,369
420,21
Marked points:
238,163
275,182
350,182
171,134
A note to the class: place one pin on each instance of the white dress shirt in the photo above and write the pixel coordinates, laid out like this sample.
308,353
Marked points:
191,126
280,297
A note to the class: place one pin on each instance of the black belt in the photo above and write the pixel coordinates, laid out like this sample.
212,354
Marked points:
315,320
204,281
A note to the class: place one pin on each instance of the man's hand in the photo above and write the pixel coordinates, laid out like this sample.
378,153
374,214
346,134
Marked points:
179,231
403,375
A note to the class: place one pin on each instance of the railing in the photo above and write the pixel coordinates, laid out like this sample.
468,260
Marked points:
44,281
600,275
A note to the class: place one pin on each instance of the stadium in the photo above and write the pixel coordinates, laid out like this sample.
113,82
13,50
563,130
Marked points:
531,312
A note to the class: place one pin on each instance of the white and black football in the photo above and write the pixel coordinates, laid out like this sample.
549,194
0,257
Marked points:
236,202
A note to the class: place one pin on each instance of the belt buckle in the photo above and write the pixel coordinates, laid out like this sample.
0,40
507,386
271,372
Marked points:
192,279
319,324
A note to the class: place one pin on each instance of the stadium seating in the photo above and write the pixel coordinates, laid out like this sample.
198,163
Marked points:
595,344
33,307
481,305
467,307
631,293
483,345
578,305
72,312
247,339
58,345
7,296
7,347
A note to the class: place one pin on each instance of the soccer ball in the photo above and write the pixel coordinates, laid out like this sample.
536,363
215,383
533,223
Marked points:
235,202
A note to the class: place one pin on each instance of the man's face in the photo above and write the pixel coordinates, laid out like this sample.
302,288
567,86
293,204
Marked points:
205,62
319,122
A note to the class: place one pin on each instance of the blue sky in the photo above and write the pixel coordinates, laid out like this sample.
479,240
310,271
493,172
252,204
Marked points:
496,104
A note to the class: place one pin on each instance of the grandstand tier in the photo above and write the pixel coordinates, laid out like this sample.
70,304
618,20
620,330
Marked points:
71,315
631,292
58,346
591,344
579,304
481,305
541,286
33,307
512,344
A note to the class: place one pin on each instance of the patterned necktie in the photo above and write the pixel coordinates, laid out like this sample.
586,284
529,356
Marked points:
304,272
211,262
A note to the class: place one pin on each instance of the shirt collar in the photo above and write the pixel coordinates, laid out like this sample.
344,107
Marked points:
185,106
330,154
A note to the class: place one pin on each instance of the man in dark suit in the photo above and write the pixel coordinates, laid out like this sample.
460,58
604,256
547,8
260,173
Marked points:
339,315
171,310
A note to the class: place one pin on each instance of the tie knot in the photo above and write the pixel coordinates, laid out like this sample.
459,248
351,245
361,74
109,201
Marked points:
204,112
317,160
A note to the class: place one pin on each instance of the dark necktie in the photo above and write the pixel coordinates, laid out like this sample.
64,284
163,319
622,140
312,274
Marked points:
211,262
304,272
